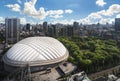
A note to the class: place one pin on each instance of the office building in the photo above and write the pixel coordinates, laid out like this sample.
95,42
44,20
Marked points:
69,30
45,27
27,27
12,29
75,25
117,24
76,29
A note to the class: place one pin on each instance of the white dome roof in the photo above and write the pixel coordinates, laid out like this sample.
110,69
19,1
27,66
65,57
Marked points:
36,51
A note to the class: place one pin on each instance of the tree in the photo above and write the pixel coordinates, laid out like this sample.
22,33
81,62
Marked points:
92,53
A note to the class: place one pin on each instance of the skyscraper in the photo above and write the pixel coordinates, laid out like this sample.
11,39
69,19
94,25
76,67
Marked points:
12,29
117,24
69,30
75,25
76,29
28,27
45,27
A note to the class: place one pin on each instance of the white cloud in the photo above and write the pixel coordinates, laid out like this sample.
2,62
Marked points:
85,21
40,22
56,16
106,20
118,16
68,11
30,10
100,3
23,20
65,21
2,19
113,9
102,16
31,22
55,13
14,7
19,1
94,16
93,21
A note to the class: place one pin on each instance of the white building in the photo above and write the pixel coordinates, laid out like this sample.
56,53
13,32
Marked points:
37,52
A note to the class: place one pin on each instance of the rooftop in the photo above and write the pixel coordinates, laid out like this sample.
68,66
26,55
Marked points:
36,51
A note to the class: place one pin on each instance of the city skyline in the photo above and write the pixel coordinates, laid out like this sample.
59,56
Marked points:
63,11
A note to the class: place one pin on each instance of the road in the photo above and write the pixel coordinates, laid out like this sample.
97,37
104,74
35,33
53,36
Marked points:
104,72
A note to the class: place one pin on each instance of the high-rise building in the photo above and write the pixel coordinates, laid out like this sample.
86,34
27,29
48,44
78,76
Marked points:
76,29
12,29
75,25
27,27
117,24
69,30
45,27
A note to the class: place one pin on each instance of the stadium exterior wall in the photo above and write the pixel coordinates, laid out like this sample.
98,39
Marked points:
11,68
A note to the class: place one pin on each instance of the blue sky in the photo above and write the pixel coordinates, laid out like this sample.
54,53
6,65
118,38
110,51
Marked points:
61,11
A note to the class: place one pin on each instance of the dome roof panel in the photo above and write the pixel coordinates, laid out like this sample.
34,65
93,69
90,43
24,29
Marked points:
36,49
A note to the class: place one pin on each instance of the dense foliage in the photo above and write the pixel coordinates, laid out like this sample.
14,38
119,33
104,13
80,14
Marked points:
92,54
